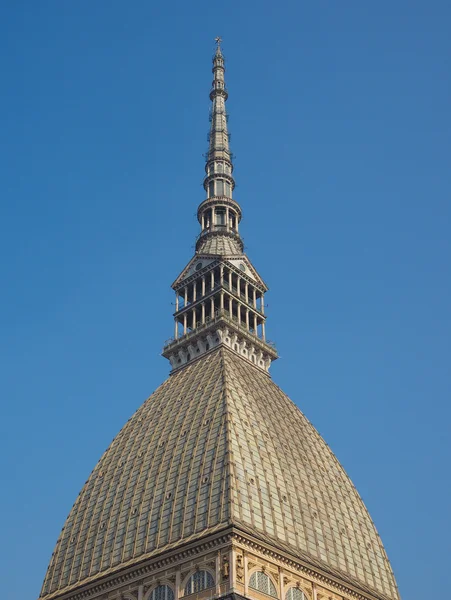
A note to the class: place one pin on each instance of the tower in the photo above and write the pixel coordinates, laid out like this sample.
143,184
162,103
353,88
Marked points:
219,296
218,486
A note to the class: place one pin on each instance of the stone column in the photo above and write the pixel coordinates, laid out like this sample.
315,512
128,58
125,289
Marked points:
255,297
246,292
203,285
194,291
212,280
185,323
203,221
245,577
262,304
255,324
186,296
281,585
176,329
176,301
218,572
177,585
263,331
194,318
247,318
222,300
140,592
221,275
239,312
212,307
231,307
203,313
227,218
232,570
230,281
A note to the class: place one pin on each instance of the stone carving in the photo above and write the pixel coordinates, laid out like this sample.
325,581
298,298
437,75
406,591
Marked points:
225,567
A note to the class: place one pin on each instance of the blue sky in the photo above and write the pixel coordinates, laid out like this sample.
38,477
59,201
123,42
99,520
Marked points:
341,128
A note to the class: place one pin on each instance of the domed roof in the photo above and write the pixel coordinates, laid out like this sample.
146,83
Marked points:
217,444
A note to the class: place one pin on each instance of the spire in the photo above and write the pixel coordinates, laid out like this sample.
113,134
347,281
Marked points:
219,296
219,214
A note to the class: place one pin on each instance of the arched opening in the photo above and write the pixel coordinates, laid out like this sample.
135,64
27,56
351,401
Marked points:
200,580
262,583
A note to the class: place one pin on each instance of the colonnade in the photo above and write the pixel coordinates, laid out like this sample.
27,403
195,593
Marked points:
223,290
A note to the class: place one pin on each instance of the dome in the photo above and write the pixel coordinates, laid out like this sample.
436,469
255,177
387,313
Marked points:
219,445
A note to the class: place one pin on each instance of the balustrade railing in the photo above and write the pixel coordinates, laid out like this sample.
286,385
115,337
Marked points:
219,315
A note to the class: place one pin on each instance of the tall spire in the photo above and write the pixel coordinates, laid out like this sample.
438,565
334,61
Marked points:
219,296
219,183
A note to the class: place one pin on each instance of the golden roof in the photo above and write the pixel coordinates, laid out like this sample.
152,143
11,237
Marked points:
219,443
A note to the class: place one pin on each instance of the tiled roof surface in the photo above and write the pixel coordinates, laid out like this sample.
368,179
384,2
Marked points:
219,244
218,443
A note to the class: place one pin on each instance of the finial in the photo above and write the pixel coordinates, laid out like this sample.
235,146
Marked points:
218,41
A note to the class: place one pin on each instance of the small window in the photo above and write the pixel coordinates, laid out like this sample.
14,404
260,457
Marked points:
162,592
295,594
211,189
262,583
201,580
219,187
220,217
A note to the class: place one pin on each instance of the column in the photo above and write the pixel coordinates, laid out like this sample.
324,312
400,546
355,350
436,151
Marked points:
203,221
203,313
176,301
227,218
176,330
247,318
230,281
221,277
185,323
245,577
177,585
255,324
246,292
255,297
263,331
194,291
203,285
186,295
218,572
314,591
212,308
194,318
232,570
231,307
140,592
212,280
222,300
238,286
262,304
281,586
239,313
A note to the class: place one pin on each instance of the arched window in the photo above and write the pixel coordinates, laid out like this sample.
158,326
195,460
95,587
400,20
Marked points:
295,594
162,592
262,583
200,580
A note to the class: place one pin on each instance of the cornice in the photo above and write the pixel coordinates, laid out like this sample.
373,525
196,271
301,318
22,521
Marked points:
315,573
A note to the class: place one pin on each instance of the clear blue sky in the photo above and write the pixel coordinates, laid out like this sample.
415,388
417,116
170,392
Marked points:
341,127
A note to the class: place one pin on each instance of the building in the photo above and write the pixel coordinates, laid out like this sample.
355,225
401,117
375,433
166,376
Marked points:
218,486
